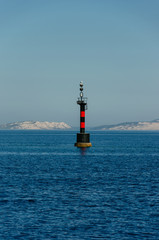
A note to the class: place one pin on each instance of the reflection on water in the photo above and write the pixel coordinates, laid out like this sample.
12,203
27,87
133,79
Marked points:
83,151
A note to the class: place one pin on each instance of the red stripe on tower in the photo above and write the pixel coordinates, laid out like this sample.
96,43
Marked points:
82,114
82,125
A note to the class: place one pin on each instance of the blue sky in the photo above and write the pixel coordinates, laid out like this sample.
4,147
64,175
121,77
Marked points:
48,47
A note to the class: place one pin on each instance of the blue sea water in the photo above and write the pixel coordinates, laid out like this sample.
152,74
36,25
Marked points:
50,189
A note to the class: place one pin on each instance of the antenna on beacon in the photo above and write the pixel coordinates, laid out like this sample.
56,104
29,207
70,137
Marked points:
83,139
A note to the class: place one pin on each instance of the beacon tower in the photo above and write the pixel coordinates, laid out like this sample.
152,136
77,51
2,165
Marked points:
83,139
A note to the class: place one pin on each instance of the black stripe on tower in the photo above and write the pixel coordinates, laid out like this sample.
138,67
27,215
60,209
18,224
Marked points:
82,130
82,119
82,107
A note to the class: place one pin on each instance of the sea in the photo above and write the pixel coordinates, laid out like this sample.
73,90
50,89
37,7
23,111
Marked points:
50,189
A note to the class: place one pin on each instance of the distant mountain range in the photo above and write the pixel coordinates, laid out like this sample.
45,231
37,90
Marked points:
30,125
36,125
149,125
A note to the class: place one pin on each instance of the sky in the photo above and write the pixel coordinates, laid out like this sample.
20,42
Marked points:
48,47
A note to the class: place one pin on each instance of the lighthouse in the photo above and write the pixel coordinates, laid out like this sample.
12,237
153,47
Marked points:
83,139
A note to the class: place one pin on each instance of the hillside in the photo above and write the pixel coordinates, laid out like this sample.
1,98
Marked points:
146,125
30,125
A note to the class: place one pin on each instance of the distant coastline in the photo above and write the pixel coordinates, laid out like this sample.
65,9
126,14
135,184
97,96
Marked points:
35,125
125,126
131,126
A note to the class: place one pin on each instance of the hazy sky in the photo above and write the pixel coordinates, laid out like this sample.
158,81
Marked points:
48,46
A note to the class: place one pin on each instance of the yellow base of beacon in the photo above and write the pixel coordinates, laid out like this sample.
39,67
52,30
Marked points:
83,145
